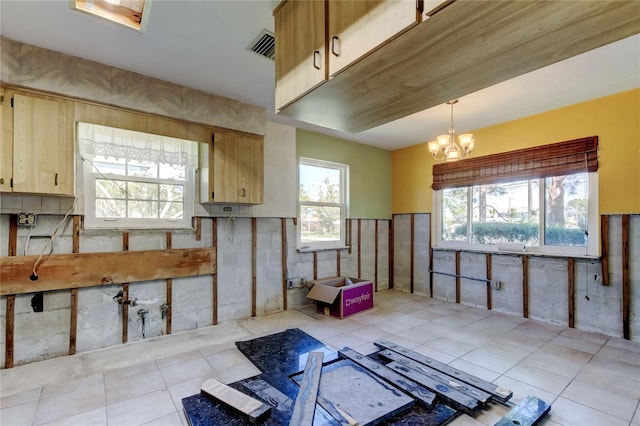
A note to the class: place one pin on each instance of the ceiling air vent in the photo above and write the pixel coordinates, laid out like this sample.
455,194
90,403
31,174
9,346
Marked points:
264,45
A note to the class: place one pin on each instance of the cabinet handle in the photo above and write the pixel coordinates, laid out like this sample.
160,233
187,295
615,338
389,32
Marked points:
243,192
316,55
1,181
335,47
56,180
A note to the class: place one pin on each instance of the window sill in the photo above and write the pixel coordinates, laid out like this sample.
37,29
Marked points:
529,251
306,249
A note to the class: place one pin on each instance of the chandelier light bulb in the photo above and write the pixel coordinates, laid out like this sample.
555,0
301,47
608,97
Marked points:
446,148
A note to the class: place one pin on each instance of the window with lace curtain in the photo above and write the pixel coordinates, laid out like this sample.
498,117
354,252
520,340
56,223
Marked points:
136,180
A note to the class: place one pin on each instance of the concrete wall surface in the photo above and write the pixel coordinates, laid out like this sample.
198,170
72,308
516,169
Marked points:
597,307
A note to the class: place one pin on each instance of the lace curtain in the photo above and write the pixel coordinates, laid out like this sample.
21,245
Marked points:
95,140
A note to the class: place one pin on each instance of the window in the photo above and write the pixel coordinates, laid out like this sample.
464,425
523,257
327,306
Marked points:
136,180
323,199
555,212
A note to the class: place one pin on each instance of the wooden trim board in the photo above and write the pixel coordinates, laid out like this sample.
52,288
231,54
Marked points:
65,271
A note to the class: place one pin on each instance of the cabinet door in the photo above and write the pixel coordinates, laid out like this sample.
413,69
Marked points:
223,175
300,49
358,26
250,170
42,145
6,141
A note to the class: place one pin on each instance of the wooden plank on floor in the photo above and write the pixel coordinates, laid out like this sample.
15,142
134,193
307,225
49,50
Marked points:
64,271
305,406
419,392
451,396
498,393
471,391
245,405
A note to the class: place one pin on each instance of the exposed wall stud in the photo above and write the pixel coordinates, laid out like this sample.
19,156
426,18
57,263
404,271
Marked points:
457,276
198,228
412,238
430,261
169,299
338,266
359,246
604,248
488,276
283,248
626,285
11,298
214,276
375,261
9,327
125,293
525,286
571,295
391,252
73,322
254,256
315,265
349,233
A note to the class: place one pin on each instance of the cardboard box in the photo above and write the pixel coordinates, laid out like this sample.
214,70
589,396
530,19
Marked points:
341,296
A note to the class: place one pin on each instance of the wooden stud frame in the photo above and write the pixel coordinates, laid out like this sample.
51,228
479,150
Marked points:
626,285
214,274
488,276
571,293
283,233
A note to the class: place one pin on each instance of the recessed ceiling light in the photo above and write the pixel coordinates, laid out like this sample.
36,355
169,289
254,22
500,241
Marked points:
130,13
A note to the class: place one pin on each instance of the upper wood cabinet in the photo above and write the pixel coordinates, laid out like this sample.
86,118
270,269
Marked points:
319,38
300,48
232,169
357,27
37,144
463,47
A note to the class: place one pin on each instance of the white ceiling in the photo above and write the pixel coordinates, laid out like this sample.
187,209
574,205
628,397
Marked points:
202,44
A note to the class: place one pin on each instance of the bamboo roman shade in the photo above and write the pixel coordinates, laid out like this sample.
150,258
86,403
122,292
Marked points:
563,158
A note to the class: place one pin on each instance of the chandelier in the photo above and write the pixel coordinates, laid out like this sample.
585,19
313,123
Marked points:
446,148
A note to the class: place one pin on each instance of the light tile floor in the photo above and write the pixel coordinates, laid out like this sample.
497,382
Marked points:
590,379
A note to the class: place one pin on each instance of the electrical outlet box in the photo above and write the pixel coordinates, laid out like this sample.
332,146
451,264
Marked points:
496,284
289,282
26,219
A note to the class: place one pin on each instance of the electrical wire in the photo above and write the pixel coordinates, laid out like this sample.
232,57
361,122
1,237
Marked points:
34,275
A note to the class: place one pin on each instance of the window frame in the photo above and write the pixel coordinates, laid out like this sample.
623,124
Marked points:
88,174
592,249
343,205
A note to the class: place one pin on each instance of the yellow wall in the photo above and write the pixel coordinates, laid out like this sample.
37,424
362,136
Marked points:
614,119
